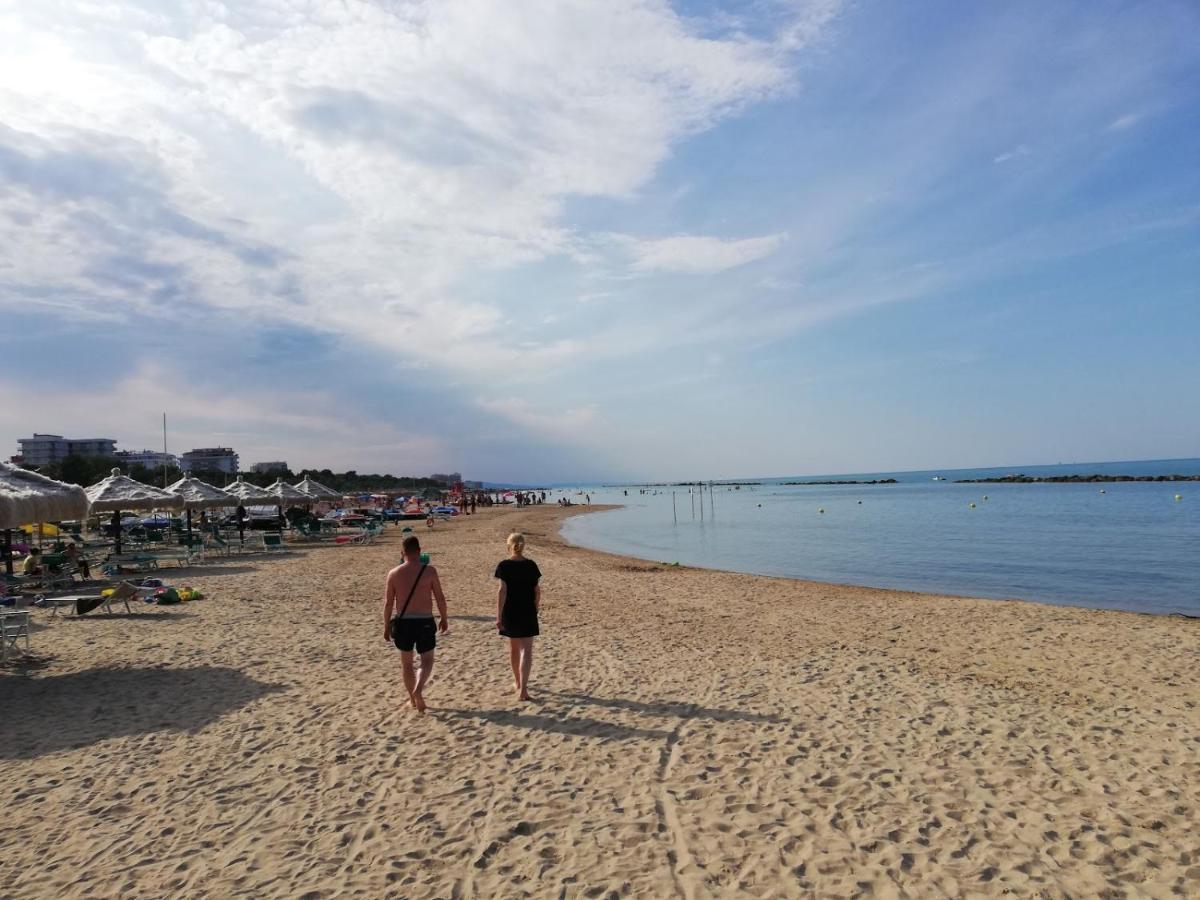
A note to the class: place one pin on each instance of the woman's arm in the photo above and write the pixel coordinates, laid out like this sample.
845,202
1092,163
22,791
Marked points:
537,597
500,598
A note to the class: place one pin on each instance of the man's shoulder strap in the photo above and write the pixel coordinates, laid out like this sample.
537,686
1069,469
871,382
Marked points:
412,590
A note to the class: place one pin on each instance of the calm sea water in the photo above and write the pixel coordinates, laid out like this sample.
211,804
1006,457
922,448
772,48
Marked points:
1133,547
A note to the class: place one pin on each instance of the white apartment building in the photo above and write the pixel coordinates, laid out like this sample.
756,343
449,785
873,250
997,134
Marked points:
151,459
210,459
43,449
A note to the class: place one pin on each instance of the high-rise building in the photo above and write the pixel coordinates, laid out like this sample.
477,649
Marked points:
210,459
266,468
449,480
43,449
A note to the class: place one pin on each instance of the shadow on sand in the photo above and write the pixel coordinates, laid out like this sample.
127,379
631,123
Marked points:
47,714
573,725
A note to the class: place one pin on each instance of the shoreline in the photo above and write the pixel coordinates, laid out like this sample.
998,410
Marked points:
847,585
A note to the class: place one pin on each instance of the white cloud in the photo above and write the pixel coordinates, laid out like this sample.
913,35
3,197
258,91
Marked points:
1015,153
1123,122
700,254
575,425
352,166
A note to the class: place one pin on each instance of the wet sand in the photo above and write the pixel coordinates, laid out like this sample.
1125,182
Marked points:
694,734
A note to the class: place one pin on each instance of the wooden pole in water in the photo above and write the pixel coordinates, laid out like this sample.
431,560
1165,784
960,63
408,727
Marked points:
693,496
701,501
674,516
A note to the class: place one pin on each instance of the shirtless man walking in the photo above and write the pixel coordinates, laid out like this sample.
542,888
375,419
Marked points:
408,617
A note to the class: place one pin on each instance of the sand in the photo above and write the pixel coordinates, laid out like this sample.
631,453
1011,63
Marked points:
695,734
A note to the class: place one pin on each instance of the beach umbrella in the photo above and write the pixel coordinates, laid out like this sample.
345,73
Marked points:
245,492
316,491
118,492
199,494
29,497
286,495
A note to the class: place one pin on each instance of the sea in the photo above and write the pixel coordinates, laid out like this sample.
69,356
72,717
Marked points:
1120,545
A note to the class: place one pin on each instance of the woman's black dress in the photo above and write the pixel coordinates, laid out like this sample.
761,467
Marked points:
519,617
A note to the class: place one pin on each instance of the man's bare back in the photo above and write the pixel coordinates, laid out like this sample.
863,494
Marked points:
400,582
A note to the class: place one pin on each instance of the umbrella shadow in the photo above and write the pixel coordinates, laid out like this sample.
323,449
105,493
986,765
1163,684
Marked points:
49,714
575,726
119,614
669,708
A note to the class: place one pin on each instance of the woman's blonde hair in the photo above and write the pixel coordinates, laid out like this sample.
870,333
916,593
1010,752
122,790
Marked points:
516,541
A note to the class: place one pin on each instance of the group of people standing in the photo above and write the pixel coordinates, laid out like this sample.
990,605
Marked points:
412,590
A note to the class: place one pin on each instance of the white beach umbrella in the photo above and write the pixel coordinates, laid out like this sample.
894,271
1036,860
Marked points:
118,492
315,491
245,492
286,495
199,494
27,497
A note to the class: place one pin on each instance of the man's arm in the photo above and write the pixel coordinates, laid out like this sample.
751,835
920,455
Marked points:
389,594
444,624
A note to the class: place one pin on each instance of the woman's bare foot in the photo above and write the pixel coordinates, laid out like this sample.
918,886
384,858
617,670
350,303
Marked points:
418,702
525,696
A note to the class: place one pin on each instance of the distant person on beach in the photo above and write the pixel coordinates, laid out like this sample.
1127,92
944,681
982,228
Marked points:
517,608
80,561
33,563
412,588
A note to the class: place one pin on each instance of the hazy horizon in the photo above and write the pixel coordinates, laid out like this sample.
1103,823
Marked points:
604,240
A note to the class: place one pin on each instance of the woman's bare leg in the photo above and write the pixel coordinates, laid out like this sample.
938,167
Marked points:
526,666
514,659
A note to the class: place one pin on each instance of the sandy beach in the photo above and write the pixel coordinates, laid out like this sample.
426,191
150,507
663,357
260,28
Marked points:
695,734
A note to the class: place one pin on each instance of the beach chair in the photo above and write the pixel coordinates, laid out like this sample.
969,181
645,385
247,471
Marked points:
254,542
215,544
193,547
138,562
13,627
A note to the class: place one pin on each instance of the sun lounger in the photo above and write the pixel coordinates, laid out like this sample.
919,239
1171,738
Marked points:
138,562
254,542
13,627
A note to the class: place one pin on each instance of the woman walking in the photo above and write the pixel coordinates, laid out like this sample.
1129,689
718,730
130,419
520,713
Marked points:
517,609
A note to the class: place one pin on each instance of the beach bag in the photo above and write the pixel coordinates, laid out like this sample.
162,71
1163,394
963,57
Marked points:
166,597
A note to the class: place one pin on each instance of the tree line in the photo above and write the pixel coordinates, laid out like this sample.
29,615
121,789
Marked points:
85,470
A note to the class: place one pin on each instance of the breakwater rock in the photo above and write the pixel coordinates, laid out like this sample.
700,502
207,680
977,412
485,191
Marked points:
1073,479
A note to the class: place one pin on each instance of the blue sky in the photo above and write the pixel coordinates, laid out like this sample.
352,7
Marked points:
604,238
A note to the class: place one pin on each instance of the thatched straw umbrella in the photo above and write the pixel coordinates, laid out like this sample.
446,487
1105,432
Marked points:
199,494
315,491
247,492
27,497
118,492
286,495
